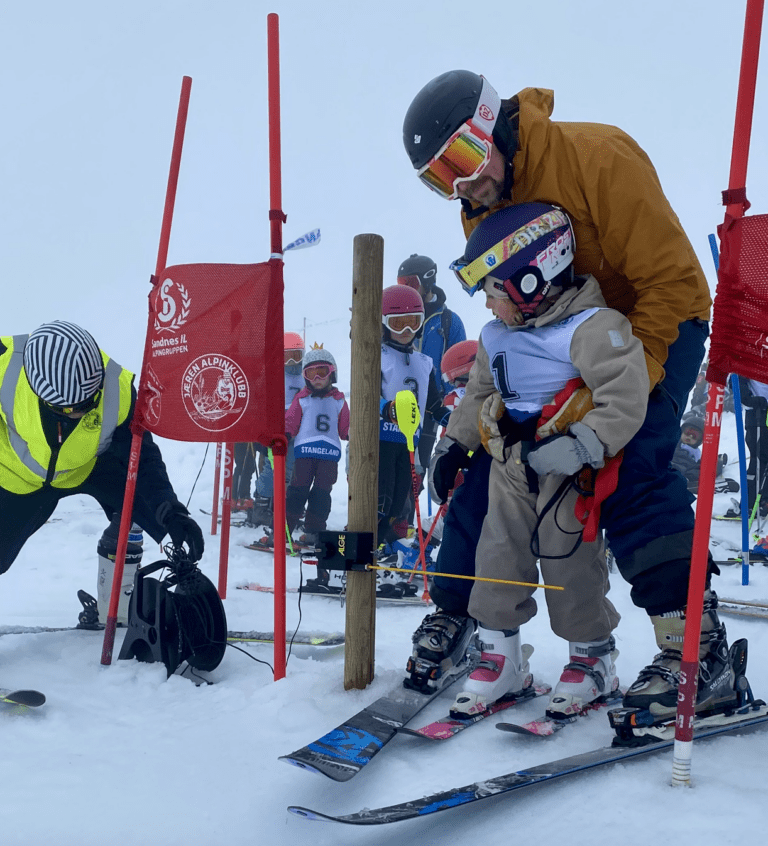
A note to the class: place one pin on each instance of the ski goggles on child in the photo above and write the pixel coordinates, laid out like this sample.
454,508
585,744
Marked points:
399,323
471,275
317,371
78,408
292,357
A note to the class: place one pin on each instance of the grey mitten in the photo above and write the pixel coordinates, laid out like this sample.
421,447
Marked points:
565,455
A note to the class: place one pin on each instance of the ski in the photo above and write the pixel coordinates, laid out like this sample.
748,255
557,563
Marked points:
344,751
449,726
237,522
25,698
546,726
753,718
304,638
380,600
742,608
298,548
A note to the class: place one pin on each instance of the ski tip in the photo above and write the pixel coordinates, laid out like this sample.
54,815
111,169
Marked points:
302,765
307,814
29,698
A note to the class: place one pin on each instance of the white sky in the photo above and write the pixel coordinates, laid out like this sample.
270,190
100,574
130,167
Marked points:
89,98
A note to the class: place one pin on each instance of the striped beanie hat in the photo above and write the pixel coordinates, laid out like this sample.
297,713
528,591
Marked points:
63,363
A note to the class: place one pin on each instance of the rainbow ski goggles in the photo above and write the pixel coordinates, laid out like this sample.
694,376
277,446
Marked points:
466,153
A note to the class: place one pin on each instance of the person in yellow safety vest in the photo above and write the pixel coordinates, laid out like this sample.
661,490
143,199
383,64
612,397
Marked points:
65,416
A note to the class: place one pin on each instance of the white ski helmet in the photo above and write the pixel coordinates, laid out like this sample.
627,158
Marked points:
63,363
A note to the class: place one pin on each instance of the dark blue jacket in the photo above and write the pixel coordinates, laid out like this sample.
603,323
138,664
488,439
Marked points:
442,329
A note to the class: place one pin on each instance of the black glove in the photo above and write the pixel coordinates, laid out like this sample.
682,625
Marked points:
175,519
446,464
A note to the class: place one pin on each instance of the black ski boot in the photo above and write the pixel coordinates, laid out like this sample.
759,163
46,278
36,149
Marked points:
88,618
655,689
442,647
261,512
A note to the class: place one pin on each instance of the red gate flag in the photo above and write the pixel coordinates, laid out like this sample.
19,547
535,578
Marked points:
739,325
213,361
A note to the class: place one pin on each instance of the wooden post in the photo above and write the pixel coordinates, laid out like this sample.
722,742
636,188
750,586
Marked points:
362,514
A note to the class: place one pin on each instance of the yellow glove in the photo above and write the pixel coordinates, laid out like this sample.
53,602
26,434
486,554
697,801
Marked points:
571,411
492,410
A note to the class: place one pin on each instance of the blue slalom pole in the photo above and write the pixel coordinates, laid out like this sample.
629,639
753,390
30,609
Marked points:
742,451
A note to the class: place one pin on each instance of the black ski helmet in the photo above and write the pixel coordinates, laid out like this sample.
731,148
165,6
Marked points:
442,106
524,250
417,270
694,419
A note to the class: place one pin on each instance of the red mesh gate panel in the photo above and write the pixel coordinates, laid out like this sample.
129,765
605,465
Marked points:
213,363
740,317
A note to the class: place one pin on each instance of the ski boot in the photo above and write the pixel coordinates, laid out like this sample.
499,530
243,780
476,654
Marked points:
391,585
389,554
443,645
260,514
503,671
722,686
321,584
88,618
589,678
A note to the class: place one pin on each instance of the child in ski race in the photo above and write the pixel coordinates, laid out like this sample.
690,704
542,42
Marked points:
687,455
317,421
454,367
402,368
293,352
550,328
465,142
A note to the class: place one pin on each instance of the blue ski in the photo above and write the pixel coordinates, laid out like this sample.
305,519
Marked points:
748,719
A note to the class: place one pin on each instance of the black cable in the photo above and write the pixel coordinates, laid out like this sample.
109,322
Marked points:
194,484
298,605
556,501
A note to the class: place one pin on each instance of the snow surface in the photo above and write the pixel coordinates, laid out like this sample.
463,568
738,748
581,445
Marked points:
120,754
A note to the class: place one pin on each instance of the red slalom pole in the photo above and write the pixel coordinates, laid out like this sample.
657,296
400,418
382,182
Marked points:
276,220
136,427
736,203
226,513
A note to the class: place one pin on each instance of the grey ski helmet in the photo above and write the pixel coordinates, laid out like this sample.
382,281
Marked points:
63,364
417,270
318,355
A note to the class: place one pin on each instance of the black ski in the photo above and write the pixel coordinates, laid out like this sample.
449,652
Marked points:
27,698
755,718
343,752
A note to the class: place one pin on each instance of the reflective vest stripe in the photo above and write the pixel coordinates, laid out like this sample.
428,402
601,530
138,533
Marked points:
7,398
110,405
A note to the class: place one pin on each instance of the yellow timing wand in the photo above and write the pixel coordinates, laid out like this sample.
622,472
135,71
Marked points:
407,418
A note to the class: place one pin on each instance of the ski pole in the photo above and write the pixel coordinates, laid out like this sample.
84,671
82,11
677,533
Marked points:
408,417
